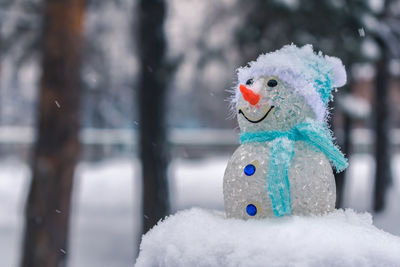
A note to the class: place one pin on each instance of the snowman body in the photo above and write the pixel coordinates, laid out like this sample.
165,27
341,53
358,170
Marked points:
312,190
284,163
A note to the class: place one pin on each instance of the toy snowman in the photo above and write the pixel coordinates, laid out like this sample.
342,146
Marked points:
284,163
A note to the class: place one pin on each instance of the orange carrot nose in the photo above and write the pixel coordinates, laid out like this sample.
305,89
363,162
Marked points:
249,95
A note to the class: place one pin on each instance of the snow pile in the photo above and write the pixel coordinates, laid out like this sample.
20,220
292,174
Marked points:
199,237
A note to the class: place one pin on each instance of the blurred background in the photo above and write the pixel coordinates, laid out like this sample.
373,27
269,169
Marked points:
113,113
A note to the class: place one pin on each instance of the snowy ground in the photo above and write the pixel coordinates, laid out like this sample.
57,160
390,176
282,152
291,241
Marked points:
106,208
202,237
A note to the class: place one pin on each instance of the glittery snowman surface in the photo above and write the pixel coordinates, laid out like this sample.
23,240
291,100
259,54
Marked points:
312,189
267,103
279,107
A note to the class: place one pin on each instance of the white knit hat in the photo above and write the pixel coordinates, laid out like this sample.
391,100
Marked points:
312,75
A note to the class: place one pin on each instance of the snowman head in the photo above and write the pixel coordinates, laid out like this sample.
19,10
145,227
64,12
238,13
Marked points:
286,87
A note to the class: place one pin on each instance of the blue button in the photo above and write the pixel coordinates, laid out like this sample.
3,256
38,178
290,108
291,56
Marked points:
249,170
251,210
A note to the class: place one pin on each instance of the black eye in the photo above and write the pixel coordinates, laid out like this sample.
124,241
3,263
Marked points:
249,82
272,83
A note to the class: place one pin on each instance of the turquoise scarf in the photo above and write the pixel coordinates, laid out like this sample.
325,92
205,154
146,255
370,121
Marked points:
282,152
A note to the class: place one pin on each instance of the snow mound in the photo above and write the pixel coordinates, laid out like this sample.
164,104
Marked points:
198,237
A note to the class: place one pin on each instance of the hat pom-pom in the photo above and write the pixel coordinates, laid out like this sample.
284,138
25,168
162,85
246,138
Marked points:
338,71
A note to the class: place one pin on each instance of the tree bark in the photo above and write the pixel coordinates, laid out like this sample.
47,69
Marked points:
152,94
383,176
340,177
57,147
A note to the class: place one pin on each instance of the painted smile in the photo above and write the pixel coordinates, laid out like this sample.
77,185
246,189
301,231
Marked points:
259,120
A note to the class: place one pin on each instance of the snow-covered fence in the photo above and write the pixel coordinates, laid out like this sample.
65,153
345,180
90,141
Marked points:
93,136
361,138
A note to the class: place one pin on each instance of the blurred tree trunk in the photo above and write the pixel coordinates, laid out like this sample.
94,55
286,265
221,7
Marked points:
382,130
346,144
152,96
57,147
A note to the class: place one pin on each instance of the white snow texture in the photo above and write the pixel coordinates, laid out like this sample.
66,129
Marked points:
199,237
